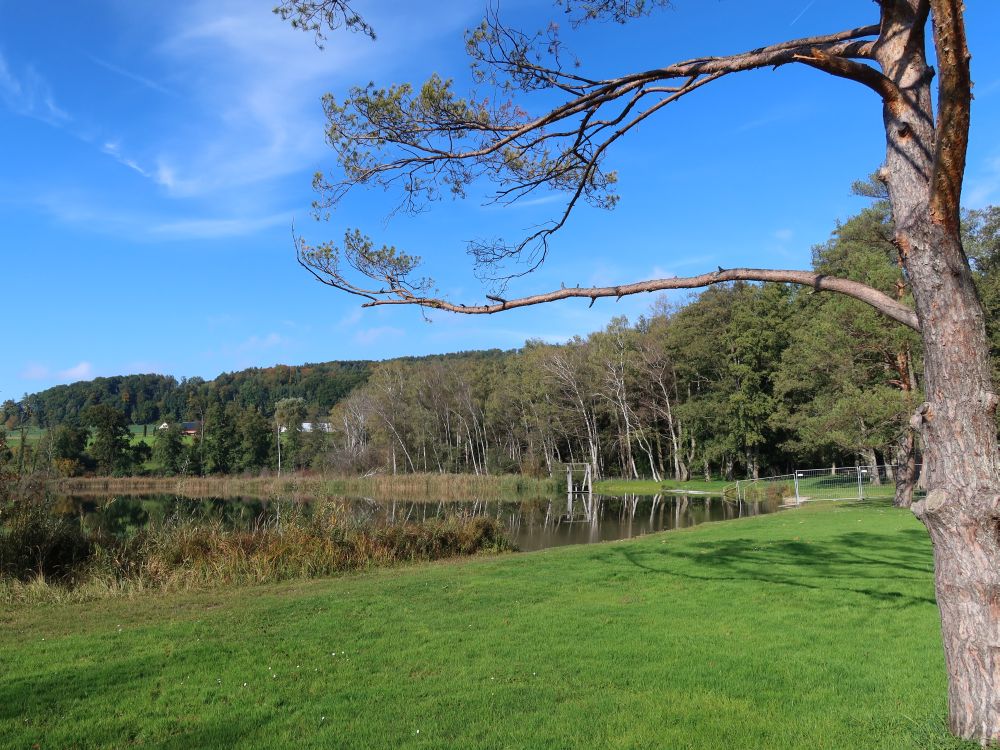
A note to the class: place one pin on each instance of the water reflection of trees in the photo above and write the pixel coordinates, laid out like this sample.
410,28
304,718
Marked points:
533,523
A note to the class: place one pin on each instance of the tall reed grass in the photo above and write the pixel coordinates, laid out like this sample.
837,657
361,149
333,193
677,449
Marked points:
415,487
44,555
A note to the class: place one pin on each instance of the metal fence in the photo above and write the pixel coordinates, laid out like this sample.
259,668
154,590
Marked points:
840,483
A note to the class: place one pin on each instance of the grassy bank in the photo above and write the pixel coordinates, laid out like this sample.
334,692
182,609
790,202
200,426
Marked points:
814,628
649,487
431,487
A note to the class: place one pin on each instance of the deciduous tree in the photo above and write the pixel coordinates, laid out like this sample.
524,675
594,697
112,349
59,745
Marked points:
110,444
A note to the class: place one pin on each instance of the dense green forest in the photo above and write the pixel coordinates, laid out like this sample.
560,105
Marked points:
743,379
145,399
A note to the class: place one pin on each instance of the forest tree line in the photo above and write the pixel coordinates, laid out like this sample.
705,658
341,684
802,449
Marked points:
743,380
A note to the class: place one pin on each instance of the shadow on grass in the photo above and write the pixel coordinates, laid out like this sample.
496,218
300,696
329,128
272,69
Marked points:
884,567
38,705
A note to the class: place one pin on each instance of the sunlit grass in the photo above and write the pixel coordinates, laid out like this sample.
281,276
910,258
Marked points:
812,628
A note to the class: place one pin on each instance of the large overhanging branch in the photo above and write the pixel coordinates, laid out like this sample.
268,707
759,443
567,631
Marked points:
382,266
820,282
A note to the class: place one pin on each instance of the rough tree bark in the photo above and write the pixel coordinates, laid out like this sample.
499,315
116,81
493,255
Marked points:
923,172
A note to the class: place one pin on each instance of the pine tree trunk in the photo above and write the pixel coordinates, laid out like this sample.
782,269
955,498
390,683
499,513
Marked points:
962,508
925,162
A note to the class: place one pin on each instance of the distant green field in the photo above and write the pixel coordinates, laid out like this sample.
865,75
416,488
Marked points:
811,628
31,437
34,435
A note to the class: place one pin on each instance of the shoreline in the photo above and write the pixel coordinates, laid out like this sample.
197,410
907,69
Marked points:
426,487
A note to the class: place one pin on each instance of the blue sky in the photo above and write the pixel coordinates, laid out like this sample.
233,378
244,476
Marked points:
155,156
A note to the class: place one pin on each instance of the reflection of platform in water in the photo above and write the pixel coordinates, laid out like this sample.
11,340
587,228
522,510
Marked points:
584,508
579,479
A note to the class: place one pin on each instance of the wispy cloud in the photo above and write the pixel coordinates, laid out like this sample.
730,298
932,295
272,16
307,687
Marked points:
542,200
113,149
80,371
29,95
132,76
368,336
659,272
255,344
257,83
211,228
34,371
250,115
75,207
38,371
784,234
352,319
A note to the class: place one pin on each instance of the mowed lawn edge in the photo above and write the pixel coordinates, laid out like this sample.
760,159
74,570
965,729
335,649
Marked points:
809,628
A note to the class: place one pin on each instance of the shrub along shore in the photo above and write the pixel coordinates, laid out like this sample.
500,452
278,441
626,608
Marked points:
46,555
815,627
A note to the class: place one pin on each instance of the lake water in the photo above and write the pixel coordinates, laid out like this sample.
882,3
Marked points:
532,524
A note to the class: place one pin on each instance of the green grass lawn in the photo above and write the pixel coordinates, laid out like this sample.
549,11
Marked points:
812,628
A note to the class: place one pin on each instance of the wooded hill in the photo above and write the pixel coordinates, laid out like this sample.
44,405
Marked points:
150,398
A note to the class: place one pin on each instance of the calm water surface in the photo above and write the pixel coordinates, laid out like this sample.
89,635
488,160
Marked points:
532,524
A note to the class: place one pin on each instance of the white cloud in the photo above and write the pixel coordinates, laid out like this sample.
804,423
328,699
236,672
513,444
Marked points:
783,235
542,200
377,334
218,226
34,371
257,84
80,371
142,80
350,320
29,95
75,207
257,344
113,149
662,273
